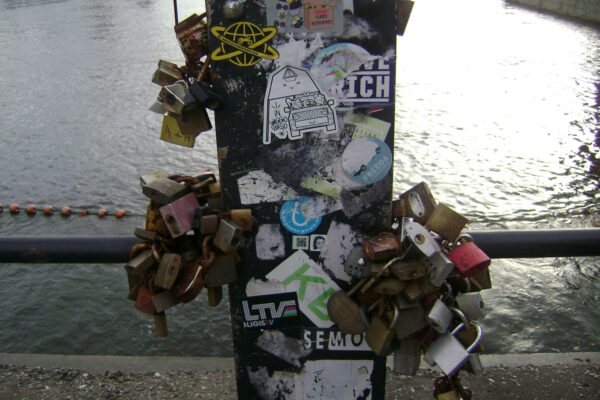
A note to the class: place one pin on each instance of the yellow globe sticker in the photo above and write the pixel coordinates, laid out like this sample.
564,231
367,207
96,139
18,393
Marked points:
244,43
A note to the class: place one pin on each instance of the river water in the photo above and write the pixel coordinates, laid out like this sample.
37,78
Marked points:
497,109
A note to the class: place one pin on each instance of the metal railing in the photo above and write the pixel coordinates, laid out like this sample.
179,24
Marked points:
115,249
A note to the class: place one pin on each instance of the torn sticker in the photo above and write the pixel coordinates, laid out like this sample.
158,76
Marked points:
294,104
301,274
298,16
341,241
318,206
336,62
244,43
258,187
294,220
362,125
270,244
335,379
367,160
288,349
280,385
371,84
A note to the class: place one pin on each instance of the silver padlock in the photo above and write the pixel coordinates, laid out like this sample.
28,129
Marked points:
410,320
176,98
408,357
471,304
228,236
440,316
355,264
163,190
474,365
448,353
421,239
439,267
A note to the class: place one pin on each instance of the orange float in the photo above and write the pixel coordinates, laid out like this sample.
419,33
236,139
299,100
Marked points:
31,209
48,210
14,208
65,211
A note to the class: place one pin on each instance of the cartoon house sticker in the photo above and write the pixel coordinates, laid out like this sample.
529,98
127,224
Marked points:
294,104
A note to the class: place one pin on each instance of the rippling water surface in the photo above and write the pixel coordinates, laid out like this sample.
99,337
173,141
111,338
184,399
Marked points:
497,109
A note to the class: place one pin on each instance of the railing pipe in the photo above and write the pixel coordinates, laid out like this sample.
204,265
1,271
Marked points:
115,249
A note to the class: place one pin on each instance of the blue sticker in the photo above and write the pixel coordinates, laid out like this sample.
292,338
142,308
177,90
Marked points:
367,160
293,220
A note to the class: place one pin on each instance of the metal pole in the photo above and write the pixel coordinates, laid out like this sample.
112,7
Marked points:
114,249
176,14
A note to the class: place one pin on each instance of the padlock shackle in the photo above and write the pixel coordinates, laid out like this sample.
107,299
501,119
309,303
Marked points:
478,338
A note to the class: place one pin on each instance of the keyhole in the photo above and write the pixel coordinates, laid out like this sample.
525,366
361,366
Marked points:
419,238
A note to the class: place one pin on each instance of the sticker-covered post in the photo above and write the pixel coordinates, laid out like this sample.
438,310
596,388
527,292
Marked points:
305,139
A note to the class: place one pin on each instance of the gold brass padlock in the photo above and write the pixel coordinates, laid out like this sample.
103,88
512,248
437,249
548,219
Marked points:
417,203
215,295
446,222
228,236
167,73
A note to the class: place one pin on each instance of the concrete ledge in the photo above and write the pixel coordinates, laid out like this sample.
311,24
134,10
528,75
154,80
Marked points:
129,364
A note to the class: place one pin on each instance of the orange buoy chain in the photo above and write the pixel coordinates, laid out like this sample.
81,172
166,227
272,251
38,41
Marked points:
65,211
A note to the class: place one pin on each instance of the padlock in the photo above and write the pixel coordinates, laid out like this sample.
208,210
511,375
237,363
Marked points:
474,365
145,179
160,323
144,234
355,264
143,301
410,321
421,239
345,312
444,389
413,291
176,98
179,214
374,268
380,335
154,221
467,335
198,214
381,247
381,273
189,282
133,281
448,352
205,95
242,218
408,357
167,73
167,271
481,280
192,34
215,201
446,222
439,267
222,271
209,224
194,121
468,257
164,300
171,132
163,191
389,286
228,236
471,304
408,270
417,203
439,316
215,295
141,262
403,11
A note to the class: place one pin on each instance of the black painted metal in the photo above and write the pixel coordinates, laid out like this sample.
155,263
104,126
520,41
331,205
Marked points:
114,249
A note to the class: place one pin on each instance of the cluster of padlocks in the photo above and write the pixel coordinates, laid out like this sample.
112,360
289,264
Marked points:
186,91
189,243
418,291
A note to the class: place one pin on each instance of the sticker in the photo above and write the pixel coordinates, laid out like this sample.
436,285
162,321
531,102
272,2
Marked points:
336,379
270,311
336,62
297,16
342,240
370,84
259,187
293,219
317,242
270,244
300,242
367,160
361,126
294,104
333,340
301,274
244,43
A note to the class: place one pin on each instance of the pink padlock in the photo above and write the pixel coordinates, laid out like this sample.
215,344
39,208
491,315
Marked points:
468,258
179,215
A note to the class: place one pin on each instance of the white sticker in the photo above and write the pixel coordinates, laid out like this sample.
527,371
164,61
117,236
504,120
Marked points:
300,274
259,187
269,242
300,242
294,104
317,242
341,241
286,348
335,379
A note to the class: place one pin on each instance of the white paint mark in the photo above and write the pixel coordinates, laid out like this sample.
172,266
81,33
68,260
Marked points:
286,348
335,379
257,287
341,240
259,187
270,243
281,385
